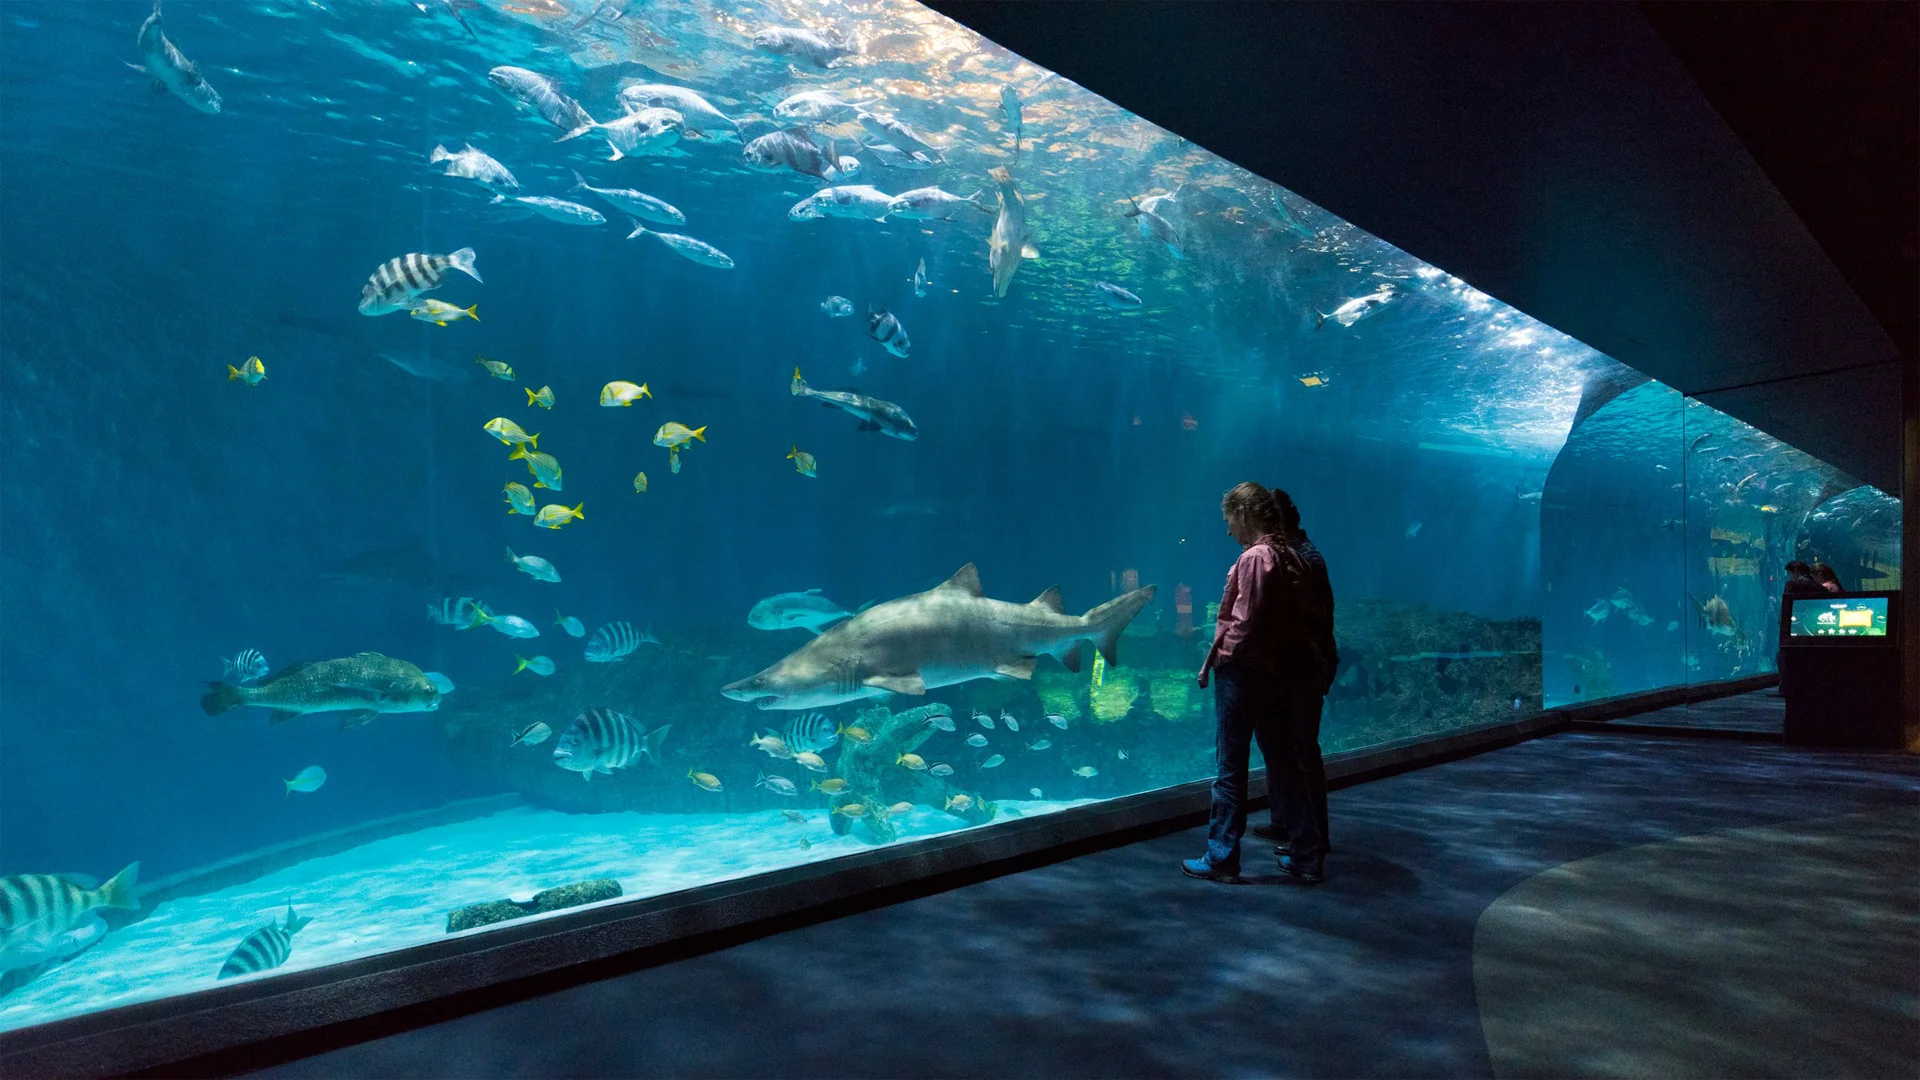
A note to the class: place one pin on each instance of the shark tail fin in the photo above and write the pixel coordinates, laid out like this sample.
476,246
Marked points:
1105,622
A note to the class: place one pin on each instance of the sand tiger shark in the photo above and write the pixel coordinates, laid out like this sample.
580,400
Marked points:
946,635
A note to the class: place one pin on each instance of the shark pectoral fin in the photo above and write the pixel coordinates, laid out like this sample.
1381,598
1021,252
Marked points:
897,684
1049,600
281,716
1016,669
357,718
1070,659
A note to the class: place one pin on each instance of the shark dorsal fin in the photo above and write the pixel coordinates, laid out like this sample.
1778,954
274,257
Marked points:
966,579
1050,600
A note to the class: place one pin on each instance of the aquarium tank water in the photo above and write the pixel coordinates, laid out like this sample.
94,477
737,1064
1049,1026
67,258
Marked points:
473,448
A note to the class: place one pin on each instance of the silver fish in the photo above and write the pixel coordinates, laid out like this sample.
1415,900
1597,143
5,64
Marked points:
816,49
686,246
1160,227
993,761
931,203
849,201
921,280
1039,744
532,735
941,721
779,785
648,131
898,134
941,770
560,210
697,113
792,148
1010,105
895,158
874,414
637,203
836,307
983,719
553,105
976,740
1009,242
170,70
264,949
947,635
817,105
804,610
394,285
475,165
1116,297
1352,311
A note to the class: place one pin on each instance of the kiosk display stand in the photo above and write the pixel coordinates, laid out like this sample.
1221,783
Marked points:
1844,652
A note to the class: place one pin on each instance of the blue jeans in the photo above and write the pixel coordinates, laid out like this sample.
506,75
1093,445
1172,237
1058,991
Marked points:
1248,704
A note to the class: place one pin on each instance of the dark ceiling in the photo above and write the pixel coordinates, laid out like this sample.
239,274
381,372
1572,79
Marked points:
1721,195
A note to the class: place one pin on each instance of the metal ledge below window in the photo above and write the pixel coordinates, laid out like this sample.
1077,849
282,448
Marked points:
229,1029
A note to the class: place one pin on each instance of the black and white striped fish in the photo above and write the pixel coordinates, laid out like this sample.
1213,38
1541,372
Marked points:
264,949
245,667
394,285
601,740
615,640
48,917
812,732
884,328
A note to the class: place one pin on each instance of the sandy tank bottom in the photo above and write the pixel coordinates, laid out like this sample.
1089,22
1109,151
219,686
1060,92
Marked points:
395,893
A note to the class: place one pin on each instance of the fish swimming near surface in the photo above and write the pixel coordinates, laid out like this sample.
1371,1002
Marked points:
553,105
932,204
697,114
245,667
1160,228
563,211
1010,105
49,917
803,610
793,148
948,635
475,165
362,686
686,247
818,106
253,372
884,327
895,158
858,201
440,313
637,204
820,50
642,132
616,641
1010,241
601,740
531,735
898,133
399,280
309,779
169,68
803,462
534,567
873,413
1352,311
811,733
264,949
836,307
1116,297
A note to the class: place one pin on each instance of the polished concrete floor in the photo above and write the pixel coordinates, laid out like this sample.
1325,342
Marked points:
1586,904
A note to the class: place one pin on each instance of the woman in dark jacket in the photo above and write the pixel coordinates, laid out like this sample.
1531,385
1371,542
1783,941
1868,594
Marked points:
1271,664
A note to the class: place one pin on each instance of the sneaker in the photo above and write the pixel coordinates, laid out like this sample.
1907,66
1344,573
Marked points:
1308,868
1206,871
1268,832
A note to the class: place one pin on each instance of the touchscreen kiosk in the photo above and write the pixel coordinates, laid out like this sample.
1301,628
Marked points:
1859,619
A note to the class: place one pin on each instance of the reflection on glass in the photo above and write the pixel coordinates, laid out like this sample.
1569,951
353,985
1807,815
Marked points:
670,358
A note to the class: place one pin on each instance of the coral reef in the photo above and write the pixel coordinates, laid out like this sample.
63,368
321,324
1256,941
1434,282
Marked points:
876,780
563,896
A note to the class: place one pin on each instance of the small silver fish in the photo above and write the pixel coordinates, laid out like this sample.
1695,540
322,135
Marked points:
941,721
532,735
1057,720
982,719
941,770
976,739
1040,744
1008,719
993,761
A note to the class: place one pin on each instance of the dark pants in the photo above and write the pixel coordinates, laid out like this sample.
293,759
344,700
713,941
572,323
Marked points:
1296,775
1248,705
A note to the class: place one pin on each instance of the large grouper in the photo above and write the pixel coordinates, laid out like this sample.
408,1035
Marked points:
362,686
946,635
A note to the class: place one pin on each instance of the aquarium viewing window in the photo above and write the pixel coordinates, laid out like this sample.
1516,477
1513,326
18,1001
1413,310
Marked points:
466,450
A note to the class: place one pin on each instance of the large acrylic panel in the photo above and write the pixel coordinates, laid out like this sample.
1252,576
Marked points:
1183,326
